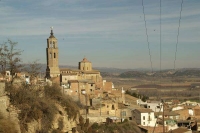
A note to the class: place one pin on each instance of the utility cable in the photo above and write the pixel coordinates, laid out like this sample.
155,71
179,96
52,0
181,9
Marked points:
160,39
150,58
177,41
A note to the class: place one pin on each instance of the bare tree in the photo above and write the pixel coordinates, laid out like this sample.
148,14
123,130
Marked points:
10,58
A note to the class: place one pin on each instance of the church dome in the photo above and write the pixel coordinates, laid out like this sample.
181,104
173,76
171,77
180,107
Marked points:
85,60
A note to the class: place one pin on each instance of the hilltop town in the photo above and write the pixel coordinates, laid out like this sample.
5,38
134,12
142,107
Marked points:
81,100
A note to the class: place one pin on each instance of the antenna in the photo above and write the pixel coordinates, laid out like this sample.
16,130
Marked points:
51,27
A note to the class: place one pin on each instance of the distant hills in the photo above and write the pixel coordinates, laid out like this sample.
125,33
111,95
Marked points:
184,72
138,73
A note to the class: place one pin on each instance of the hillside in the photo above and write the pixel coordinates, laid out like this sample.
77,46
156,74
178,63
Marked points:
164,73
44,109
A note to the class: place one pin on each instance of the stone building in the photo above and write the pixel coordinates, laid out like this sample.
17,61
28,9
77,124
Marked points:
84,71
83,83
52,69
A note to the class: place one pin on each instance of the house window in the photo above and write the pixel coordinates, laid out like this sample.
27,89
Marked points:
91,84
143,123
113,107
149,118
143,117
123,113
91,90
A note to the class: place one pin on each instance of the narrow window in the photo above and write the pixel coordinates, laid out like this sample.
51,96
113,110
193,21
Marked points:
113,108
50,44
54,55
50,55
143,117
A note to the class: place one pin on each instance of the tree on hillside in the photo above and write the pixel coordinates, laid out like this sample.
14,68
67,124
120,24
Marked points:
34,70
10,58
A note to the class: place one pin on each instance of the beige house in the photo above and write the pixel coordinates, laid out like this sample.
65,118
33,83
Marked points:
144,117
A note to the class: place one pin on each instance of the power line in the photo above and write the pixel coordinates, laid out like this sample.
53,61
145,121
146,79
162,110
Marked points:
147,37
160,39
161,56
177,41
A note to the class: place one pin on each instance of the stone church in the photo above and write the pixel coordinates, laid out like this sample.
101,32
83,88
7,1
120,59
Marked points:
74,81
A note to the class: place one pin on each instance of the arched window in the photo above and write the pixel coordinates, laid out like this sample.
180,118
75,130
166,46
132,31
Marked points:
54,55
51,45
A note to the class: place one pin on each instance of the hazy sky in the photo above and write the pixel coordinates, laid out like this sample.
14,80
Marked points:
109,33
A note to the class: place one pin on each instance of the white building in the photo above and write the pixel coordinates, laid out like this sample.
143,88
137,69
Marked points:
144,117
177,108
155,106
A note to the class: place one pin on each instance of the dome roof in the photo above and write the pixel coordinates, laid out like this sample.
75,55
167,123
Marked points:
85,60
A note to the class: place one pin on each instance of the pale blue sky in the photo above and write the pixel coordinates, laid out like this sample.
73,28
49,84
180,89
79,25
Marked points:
110,33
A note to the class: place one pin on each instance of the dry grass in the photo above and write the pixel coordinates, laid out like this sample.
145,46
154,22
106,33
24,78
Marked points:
33,106
7,126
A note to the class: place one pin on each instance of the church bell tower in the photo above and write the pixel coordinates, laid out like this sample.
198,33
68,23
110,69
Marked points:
52,69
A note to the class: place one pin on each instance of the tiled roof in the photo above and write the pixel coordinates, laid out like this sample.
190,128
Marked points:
144,110
167,113
85,60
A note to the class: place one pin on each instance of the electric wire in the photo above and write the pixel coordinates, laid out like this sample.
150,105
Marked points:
160,40
160,58
161,44
150,57
177,40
